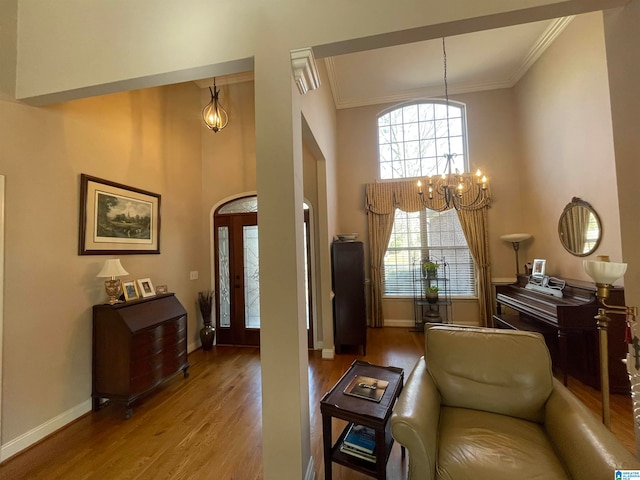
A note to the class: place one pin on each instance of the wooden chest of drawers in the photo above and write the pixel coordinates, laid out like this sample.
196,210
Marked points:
136,346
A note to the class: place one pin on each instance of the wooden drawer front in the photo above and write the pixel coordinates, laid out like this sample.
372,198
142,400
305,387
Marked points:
145,371
147,374
153,341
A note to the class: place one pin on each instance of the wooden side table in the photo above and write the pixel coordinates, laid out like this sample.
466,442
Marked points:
361,411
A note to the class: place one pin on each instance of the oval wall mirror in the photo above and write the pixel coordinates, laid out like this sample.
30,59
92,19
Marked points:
579,228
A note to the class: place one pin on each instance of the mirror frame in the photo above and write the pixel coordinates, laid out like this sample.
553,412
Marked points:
575,203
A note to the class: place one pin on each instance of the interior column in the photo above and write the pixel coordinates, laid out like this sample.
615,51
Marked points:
621,36
283,342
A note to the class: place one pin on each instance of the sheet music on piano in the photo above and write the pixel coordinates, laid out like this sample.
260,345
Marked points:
547,285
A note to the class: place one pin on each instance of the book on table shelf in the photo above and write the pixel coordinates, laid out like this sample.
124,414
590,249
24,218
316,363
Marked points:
366,387
360,438
344,448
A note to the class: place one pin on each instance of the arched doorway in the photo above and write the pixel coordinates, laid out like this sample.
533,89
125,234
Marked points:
237,281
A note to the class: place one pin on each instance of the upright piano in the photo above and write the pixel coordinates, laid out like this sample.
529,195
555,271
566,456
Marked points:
569,328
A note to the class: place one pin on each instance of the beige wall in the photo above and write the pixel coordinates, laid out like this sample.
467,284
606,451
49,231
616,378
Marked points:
622,33
228,158
319,134
147,139
492,148
8,48
78,55
164,41
229,170
567,145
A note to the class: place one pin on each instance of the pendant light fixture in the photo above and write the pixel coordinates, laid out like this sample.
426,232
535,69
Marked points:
215,117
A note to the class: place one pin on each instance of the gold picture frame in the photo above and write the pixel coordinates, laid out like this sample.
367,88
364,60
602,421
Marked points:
130,290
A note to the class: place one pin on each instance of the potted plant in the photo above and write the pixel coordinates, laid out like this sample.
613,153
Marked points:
431,293
207,332
429,269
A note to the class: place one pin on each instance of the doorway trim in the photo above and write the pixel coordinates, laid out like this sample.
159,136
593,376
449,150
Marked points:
2,209
317,324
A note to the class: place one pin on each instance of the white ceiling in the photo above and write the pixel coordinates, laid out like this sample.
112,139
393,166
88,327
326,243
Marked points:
478,61
486,60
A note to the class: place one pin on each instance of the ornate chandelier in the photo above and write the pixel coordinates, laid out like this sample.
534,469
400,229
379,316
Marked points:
452,189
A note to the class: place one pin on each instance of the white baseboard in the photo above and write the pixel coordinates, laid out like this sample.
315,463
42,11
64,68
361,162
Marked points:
311,474
47,428
329,353
390,322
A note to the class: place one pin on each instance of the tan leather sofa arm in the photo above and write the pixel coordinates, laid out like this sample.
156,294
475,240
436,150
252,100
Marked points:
587,448
414,421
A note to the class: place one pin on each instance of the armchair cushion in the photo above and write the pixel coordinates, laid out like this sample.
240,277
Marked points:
500,371
483,404
494,446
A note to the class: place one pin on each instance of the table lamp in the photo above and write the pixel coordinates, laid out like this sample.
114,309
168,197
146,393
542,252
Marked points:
112,268
515,239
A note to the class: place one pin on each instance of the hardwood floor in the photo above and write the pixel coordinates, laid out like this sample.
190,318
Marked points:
209,425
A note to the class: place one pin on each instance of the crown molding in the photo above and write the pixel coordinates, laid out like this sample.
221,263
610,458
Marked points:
420,93
305,70
543,42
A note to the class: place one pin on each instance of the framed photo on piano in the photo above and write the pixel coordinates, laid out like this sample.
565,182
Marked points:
538,267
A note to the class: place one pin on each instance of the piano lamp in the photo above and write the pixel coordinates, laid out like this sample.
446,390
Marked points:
604,273
515,239
112,268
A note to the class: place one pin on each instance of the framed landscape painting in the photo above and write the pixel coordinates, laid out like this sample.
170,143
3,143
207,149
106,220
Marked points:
117,219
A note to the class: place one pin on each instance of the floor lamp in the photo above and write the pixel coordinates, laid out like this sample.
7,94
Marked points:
515,239
604,273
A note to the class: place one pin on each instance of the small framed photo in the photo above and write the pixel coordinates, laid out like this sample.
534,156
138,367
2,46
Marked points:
145,287
538,267
130,290
160,289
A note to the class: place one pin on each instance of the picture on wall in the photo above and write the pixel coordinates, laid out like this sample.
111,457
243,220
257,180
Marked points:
117,219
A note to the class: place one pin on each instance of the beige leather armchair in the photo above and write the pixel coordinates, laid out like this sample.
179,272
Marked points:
483,404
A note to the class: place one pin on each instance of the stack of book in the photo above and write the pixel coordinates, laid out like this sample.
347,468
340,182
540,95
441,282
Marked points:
360,442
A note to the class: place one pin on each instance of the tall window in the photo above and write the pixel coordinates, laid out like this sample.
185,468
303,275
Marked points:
412,141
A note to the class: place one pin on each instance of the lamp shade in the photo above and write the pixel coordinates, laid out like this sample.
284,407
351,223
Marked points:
604,273
112,268
515,237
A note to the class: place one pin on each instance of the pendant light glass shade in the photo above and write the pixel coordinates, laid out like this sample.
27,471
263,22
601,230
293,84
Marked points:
215,117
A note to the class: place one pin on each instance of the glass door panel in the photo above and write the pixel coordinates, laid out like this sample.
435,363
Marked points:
238,275
251,277
224,298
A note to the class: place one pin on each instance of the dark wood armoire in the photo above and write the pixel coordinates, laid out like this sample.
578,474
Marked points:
349,306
